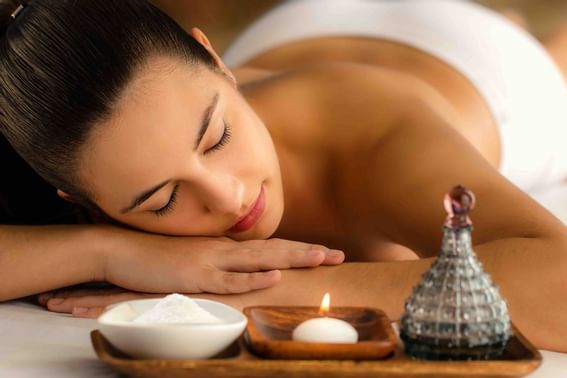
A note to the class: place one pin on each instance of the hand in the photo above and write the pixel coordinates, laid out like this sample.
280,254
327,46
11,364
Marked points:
87,302
152,263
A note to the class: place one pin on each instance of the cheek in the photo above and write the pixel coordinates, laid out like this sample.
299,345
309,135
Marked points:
252,142
260,154
267,149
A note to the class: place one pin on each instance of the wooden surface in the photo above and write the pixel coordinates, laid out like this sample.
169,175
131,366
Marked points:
521,359
269,332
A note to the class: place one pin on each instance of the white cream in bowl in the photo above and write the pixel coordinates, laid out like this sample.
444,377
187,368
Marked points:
174,327
176,309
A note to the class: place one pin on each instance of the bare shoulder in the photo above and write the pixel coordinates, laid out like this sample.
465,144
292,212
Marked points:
340,104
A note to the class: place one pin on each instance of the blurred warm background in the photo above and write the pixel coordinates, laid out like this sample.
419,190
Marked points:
221,20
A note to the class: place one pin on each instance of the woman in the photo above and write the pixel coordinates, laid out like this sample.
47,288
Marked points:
186,174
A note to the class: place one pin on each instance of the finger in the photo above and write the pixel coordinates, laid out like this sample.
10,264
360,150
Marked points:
257,260
86,312
334,257
65,305
285,244
254,260
331,257
232,283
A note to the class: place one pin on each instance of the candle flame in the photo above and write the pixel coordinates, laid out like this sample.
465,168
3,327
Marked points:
325,304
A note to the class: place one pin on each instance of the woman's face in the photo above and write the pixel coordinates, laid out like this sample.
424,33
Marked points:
184,154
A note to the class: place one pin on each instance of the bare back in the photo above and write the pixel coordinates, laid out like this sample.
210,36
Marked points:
457,97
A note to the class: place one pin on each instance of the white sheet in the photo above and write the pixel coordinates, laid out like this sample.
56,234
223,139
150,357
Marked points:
38,343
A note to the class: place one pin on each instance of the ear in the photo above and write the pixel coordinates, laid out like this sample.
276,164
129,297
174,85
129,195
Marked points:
200,37
65,196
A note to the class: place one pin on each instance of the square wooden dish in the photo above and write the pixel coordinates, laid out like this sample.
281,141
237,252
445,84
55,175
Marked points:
269,330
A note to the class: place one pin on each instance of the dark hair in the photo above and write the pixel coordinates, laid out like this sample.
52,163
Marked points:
63,66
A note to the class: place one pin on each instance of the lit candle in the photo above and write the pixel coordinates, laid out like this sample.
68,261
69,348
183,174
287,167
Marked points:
325,329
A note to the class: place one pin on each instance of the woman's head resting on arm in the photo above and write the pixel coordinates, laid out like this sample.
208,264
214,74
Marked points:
119,108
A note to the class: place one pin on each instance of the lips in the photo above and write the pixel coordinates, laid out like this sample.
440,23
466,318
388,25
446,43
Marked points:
247,221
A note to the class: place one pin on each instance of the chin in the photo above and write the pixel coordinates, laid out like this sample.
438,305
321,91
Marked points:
267,229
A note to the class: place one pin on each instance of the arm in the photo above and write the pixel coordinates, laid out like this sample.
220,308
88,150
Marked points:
533,287
35,259
39,258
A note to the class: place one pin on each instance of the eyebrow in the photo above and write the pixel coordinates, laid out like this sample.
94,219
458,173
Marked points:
205,122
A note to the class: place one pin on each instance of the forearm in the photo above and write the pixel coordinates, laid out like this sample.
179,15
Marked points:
34,259
530,273
382,285
532,276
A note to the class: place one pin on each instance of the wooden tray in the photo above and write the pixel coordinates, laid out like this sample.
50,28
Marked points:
519,359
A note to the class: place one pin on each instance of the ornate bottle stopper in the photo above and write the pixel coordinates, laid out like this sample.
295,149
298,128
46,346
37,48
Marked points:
455,312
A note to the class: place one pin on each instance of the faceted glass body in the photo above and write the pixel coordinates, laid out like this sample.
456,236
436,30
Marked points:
455,312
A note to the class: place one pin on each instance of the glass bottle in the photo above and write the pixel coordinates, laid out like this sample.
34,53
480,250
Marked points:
455,312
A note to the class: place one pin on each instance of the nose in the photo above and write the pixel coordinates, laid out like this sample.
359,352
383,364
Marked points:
222,193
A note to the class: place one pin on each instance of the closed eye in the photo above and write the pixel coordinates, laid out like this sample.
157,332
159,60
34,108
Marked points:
225,138
170,204
223,141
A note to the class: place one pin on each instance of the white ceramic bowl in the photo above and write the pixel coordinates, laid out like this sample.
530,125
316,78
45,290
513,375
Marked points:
170,341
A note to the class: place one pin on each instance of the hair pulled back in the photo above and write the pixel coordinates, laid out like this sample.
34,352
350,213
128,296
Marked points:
63,66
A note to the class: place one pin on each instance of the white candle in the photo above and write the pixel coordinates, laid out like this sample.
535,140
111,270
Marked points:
325,329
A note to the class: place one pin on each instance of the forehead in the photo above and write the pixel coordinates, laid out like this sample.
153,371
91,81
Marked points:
148,129
160,81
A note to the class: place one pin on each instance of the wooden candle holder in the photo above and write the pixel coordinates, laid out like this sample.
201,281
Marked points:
269,330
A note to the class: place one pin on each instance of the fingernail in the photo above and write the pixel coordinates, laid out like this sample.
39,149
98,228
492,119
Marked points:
335,253
55,301
314,252
79,310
